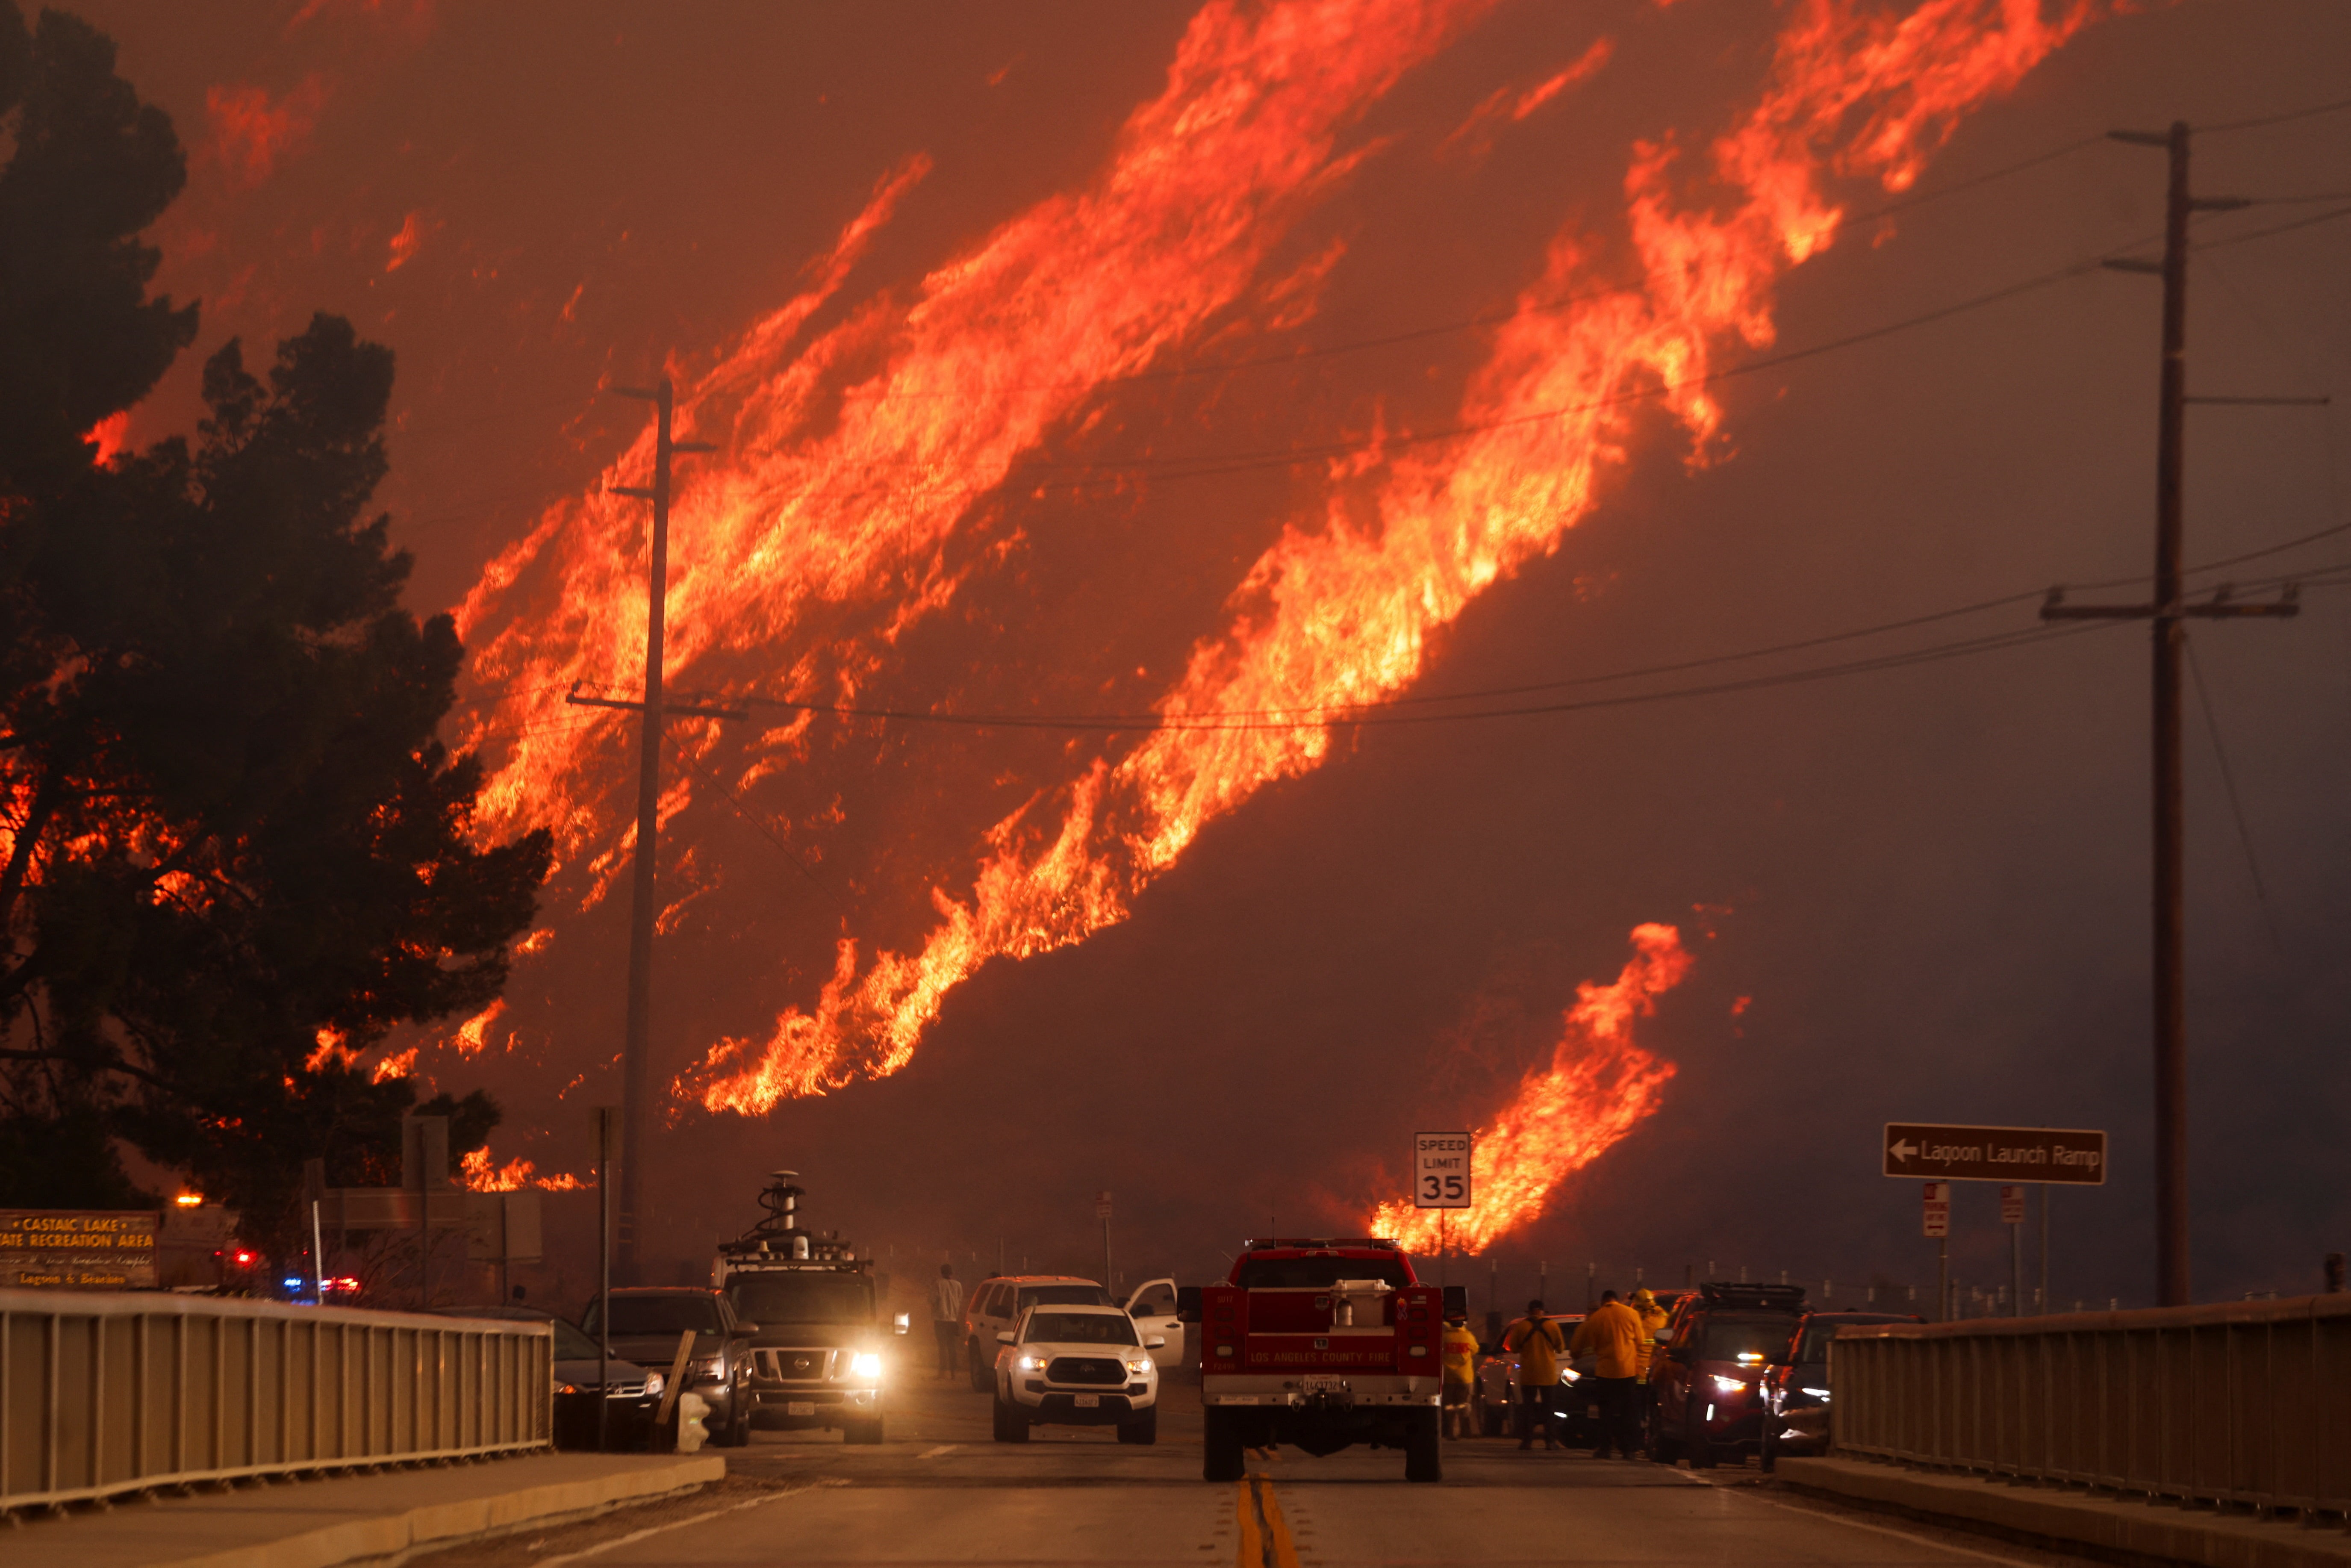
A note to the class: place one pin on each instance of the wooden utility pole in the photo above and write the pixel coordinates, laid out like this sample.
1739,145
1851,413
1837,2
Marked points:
2169,615
636,1043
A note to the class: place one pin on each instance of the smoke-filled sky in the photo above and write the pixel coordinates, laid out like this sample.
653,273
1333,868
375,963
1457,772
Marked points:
1085,359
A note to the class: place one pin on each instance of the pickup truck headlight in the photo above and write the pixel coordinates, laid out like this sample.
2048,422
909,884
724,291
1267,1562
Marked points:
654,1384
865,1364
1137,1365
707,1366
1032,1364
1820,1394
1729,1385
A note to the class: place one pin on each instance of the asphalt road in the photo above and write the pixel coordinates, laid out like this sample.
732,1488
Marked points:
940,1491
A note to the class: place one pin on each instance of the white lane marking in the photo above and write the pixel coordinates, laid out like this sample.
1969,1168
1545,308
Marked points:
636,1535
1883,1530
942,1448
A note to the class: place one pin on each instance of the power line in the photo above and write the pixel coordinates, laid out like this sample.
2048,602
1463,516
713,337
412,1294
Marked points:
2228,786
1351,718
2312,221
1308,714
2291,115
758,823
1921,199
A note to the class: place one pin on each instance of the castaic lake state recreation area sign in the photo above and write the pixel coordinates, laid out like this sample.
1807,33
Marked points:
87,1250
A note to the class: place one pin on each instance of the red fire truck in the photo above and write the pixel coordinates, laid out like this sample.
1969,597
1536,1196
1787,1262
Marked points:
1320,1344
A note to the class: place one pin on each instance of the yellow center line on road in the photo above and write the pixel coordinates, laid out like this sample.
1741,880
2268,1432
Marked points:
1264,1535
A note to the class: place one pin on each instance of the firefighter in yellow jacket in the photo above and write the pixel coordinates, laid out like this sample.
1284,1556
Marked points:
1613,1335
1653,1324
1537,1341
1458,1350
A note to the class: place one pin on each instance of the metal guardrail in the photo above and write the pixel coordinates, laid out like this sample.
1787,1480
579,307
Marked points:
2242,1404
102,1394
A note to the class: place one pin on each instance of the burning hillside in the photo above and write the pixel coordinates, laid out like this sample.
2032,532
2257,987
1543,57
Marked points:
894,468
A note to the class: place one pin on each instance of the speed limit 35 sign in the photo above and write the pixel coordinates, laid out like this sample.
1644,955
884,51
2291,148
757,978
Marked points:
1440,1170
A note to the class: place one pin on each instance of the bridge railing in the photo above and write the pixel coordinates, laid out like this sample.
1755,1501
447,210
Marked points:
2240,1403
101,1394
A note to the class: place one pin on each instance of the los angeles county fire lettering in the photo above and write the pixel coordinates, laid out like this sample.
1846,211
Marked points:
77,1250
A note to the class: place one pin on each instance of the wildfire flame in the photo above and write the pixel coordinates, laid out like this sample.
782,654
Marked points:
474,1034
1599,1086
827,493
482,1172
1339,614
481,1175
851,457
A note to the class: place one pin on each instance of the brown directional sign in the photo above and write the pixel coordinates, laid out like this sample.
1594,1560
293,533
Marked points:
1938,1152
78,1249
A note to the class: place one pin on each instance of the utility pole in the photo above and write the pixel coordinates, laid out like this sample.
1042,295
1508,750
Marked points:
2168,615
636,1043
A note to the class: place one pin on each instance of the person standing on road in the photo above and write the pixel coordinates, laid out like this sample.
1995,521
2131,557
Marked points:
1536,1341
946,1316
1653,1324
1612,1334
1459,1358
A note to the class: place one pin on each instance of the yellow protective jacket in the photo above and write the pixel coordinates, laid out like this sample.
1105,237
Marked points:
1460,1359
1653,1322
1613,1335
1537,1343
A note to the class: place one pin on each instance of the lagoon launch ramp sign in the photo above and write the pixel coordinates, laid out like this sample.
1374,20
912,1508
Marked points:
1937,1153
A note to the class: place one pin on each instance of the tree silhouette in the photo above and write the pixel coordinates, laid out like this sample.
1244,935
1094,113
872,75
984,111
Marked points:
232,851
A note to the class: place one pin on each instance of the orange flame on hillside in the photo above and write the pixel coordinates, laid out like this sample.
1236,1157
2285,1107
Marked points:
1338,614
829,495
109,438
1598,1087
481,1175
474,1034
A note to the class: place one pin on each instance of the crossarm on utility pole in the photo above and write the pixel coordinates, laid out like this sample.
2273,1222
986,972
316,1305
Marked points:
669,710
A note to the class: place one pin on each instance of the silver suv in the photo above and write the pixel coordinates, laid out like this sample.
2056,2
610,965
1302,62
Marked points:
997,1305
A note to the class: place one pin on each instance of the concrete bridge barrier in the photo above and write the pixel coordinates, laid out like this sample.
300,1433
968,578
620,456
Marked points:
2236,1405
104,1394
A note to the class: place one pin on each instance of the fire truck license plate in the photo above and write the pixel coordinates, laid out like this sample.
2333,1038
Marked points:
799,1407
1089,1401
1323,1385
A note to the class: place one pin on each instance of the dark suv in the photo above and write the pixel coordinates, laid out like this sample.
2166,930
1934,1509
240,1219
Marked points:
648,1321
1801,1383
1708,1381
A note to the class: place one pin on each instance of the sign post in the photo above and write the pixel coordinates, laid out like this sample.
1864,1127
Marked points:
2011,1213
1441,1181
1936,1222
2072,1156
607,1125
1102,1212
